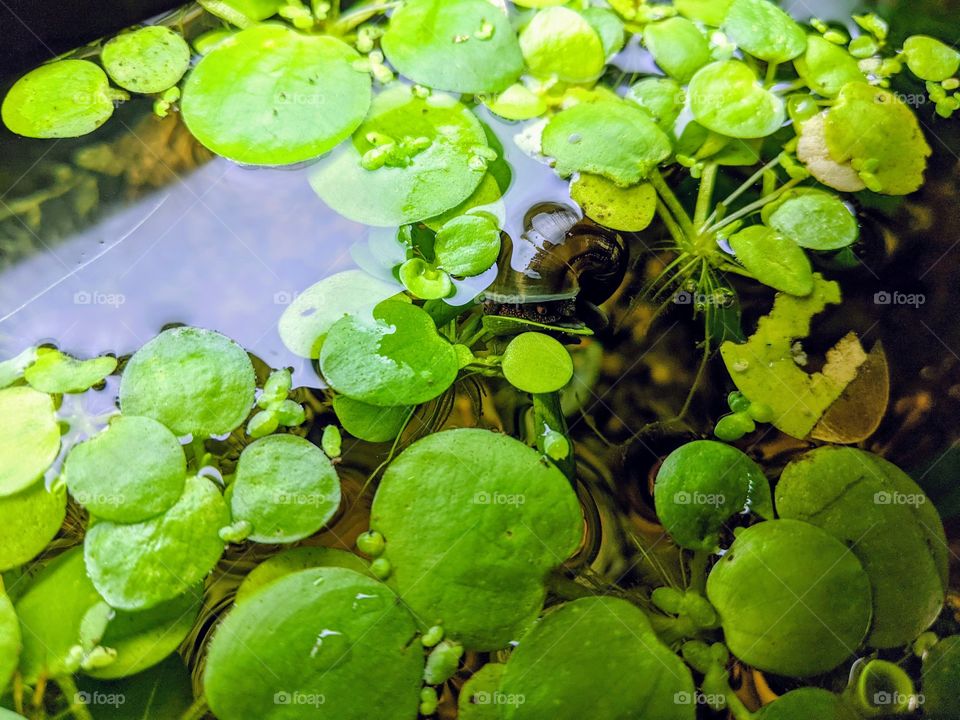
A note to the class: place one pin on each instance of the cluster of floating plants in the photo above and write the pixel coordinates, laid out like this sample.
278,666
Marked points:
115,530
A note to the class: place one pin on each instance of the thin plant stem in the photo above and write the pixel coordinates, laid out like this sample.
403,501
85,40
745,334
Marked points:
754,206
673,227
771,76
671,201
742,189
705,194
72,695
197,709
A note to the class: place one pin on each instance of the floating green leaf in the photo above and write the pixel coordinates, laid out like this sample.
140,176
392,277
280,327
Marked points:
941,677
773,259
413,158
29,520
285,487
163,692
536,363
930,59
813,219
807,703
701,485
477,695
873,130
608,27
149,60
139,565
663,98
709,12
559,42
782,580
55,372
10,642
66,98
764,30
299,96
725,97
517,102
425,281
678,47
133,470
394,358
333,630
576,657
464,46
473,521
194,381
29,437
630,209
12,370
610,138
813,152
888,523
467,245
305,323
369,422
294,560
827,67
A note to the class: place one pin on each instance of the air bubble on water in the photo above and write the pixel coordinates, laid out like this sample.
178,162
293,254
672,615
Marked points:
741,366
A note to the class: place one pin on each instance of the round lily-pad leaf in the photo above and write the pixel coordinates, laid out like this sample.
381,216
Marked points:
662,97
678,46
873,130
299,96
517,102
827,67
611,138
576,657
479,694
394,358
764,30
559,42
537,363
149,60
413,158
143,639
369,422
55,372
29,520
807,703
793,600
294,560
163,692
324,634
929,59
242,13
467,245
725,97
813,152
889,524
630,209
133,470
701,485
10,642
305,323
66,98
941,679
286,488
51,611
463,46
29,437
425,281
608,26
774,260
136,566
196,382
473,522
813,219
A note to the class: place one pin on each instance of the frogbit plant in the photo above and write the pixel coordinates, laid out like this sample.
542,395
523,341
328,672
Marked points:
455,577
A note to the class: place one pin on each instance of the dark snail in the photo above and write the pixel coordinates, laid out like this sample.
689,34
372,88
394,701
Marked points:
558,262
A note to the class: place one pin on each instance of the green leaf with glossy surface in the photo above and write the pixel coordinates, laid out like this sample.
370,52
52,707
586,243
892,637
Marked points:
764,30
559,42
537,363
29,520
285,487
394,358
294,560
807,703
630,209
464,46
29,437
133,470
813,219
434,154
473,522
66,98
194,381
773,259
164,692
756,585
827,67
139,565
678,47
930,59
425,281
701,485
726,97
517,102
614,139
467,245
709,12
148,60
888,522
369,422
663,98
298,96
572,663
338,631
55,372
10,642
